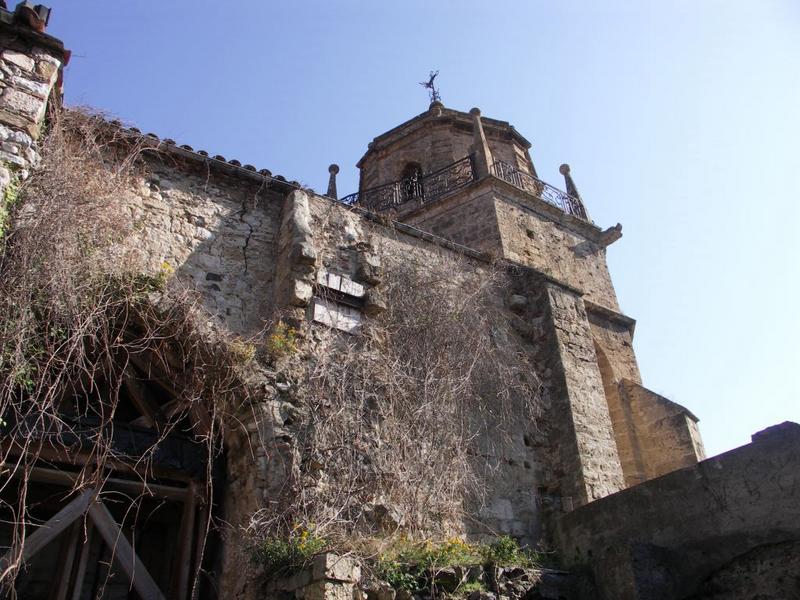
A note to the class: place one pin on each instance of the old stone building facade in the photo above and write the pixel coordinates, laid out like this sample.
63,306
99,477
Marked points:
608,472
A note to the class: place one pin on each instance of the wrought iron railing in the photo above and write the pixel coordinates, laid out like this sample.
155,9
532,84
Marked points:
540,189
424,189
430,187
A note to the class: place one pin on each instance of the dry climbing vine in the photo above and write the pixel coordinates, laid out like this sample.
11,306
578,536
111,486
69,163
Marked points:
78,310
405,422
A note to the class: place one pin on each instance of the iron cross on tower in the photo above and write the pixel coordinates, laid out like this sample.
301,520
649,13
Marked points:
429,85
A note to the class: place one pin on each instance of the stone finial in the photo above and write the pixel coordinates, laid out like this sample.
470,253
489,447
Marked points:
436,108
572,190
332,193
483,155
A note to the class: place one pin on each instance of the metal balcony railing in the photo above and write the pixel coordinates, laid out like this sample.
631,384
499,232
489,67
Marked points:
428,188
540,189
424,189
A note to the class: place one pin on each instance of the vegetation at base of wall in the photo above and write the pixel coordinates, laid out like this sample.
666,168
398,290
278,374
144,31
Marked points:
403,565
283,555
503,551
472,586
412,566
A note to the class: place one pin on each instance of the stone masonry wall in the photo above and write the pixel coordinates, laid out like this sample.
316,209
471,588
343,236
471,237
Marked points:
554,249
442,140
235,242
587,445
30,65
697,529
469,219
214,231
666,433
343,237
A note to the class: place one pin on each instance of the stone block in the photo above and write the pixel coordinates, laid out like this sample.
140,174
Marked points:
42,90
22,103
334,567
23,61
369,268
339,316
14,159
374,303
47,70
303,252
340,283
326,590
30,126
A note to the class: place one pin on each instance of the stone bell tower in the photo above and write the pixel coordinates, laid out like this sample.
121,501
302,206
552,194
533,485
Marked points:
471,180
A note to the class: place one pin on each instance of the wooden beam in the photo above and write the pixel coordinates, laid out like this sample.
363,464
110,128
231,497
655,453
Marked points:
54,476
180,585
66,561
199,549
48,531
123,552
70,456
83,561
139,396
156,373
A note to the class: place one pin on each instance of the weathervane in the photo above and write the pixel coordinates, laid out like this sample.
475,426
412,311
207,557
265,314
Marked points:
435,97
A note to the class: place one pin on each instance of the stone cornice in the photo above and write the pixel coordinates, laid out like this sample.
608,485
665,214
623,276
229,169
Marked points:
611,315
530,202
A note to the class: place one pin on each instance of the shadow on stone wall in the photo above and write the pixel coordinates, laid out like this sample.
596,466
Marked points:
695,531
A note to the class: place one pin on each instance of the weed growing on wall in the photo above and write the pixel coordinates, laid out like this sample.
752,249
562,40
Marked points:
284,555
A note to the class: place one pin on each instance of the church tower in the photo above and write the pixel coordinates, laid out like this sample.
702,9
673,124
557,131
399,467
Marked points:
471,180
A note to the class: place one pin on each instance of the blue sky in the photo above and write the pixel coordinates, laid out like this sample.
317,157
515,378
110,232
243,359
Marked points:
680,119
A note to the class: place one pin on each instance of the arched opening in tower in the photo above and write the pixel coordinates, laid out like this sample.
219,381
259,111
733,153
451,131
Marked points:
411,182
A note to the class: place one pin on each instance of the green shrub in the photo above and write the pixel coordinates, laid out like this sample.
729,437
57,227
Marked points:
466,589
282,341
505,551
408,565
281,556
400,576
242,352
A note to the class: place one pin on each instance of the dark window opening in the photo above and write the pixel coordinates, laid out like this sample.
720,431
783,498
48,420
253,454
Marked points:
411,182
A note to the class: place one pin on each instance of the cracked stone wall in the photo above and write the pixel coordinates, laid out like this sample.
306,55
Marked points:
245,248
216,232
